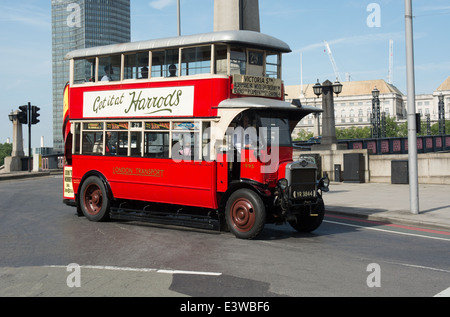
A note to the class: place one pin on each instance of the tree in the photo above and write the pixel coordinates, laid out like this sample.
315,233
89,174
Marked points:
353,133
303,135
393,128
5,150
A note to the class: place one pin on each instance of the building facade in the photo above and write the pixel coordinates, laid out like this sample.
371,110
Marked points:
80,24
353,107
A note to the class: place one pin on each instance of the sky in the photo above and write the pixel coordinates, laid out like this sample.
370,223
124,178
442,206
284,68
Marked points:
358,32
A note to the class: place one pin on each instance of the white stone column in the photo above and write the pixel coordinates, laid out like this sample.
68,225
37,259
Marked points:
236,15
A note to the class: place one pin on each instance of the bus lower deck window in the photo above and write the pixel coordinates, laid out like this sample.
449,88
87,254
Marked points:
92,143
136,143
156,144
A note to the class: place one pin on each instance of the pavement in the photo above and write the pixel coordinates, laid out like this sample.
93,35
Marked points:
389,203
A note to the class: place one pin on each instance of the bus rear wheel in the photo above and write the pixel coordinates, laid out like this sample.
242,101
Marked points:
94,200
245,214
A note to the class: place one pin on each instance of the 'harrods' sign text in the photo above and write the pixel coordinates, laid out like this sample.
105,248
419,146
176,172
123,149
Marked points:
149,102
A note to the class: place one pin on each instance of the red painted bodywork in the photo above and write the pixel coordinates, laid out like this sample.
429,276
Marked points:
156,180
197,184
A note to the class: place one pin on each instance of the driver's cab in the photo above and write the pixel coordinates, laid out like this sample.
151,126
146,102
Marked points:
260,140
252,141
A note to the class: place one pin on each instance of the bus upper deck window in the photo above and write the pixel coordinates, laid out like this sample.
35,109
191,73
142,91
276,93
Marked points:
255,65
158,64
84,71
238,61
221,59
136,66
171,63
165,63
196,60
273,65
109,68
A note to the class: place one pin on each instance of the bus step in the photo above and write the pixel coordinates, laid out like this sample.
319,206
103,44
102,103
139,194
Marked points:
167,218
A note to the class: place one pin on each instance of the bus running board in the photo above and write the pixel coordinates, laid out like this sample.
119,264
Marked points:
166,218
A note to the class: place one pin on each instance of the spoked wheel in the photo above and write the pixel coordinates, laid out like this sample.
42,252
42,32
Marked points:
245,214
94,200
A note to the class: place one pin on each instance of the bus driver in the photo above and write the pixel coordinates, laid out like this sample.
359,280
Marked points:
245,136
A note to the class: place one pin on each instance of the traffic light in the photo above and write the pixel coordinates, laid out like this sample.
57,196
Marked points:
22,116
418,123
35,115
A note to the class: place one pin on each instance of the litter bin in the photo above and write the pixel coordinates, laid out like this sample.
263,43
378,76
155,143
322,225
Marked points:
399,172
337,173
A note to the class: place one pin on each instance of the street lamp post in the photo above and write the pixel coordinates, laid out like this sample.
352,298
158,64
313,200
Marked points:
376,132
412,131
441,114
327,89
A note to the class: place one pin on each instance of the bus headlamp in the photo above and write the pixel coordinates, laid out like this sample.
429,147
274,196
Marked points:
283,183
324,184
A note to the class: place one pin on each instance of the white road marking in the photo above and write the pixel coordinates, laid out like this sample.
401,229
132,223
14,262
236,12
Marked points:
389,231
189,272
420,267
444,293
131,269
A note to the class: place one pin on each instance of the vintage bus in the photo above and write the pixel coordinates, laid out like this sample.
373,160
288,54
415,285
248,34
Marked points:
190,130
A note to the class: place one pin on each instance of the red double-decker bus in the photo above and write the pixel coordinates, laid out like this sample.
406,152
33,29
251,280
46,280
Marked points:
190,130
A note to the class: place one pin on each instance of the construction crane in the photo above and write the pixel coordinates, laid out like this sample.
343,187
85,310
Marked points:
391,62
330,54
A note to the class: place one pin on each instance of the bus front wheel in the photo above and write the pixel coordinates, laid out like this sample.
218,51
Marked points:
94,200
245,214
307,223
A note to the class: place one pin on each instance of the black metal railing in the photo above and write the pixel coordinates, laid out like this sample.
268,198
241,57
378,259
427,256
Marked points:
425,144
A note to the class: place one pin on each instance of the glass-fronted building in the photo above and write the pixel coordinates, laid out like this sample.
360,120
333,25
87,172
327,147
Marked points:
82,24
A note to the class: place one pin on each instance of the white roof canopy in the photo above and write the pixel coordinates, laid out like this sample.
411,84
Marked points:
248,39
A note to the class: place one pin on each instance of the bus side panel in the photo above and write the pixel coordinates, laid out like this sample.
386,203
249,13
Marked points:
222,173
154,180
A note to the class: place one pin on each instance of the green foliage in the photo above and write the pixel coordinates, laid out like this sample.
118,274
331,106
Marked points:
354,133
5,150
303,135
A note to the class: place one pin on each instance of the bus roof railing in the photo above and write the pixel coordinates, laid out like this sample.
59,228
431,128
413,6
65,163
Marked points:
248,39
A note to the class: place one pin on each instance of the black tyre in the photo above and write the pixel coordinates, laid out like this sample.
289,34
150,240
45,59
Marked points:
94,200
245,214
307,223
